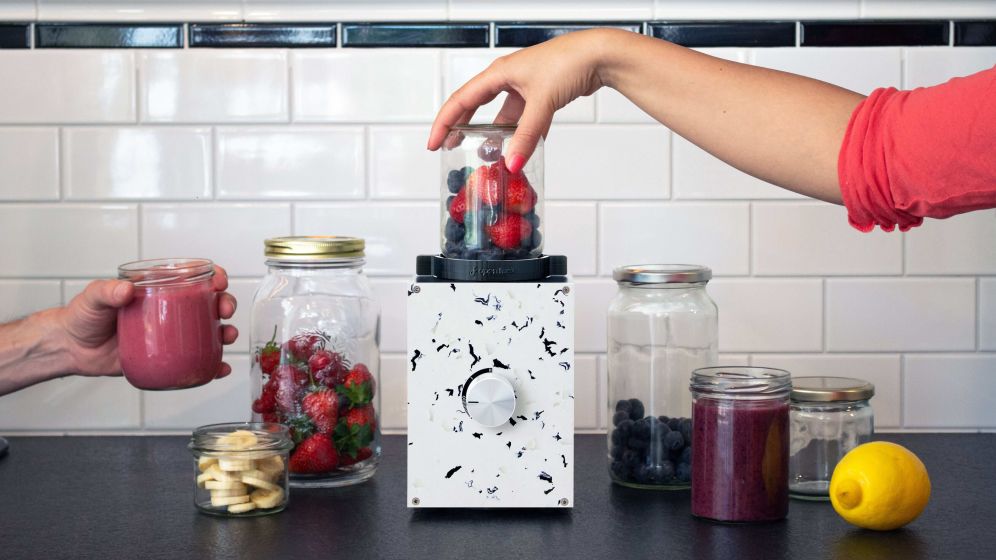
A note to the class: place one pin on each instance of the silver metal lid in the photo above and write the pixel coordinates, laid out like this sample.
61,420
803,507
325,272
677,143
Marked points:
831,389
662,274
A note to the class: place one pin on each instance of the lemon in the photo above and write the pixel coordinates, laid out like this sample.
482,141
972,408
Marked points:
880,486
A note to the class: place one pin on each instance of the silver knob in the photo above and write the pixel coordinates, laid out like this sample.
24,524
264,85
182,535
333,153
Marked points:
490,400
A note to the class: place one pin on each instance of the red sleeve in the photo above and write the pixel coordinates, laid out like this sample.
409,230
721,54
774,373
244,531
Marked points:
929,152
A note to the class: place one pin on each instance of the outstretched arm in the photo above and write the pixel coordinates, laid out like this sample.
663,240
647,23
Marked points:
782,128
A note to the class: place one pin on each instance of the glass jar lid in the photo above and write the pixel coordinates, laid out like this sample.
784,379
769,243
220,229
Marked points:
484,127
309,248
743,380
166,272
662,274
831,389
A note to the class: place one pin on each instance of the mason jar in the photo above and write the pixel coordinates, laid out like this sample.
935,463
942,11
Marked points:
741,434
662,325
316,362
240,469
829,416
489,212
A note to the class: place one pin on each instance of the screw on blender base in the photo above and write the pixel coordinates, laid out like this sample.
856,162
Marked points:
416,501
567,289
416,289
563,501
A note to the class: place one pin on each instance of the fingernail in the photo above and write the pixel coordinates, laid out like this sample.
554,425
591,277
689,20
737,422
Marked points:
515,163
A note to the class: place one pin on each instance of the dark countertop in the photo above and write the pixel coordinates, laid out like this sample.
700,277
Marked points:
131,497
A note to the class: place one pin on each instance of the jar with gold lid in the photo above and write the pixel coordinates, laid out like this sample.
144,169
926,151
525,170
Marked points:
315,367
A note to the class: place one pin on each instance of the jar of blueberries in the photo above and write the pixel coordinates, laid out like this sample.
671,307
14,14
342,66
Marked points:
490,213
662,325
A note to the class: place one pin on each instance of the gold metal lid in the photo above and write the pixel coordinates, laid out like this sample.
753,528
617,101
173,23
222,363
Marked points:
831,389
314,248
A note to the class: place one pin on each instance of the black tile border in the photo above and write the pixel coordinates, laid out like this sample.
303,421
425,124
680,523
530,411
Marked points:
15,36
478,34
527,34
975,33
108,35
725,33
416,35
874,33
262,35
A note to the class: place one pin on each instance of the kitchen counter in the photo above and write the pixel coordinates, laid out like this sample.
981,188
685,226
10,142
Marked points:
130,497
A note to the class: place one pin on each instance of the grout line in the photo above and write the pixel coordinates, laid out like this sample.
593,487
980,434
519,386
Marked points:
140,212
290,86
825,321
978,314
902,390
60,167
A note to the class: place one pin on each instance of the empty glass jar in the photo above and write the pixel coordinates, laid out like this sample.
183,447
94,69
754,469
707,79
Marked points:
489,213
662,326
830,416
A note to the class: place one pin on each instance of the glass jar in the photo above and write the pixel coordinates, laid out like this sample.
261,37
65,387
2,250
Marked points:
662,326
240,469
169,336
315,368
829,416
490,213
741,432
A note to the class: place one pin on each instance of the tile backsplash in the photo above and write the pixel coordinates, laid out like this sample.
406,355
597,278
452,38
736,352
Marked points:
108,155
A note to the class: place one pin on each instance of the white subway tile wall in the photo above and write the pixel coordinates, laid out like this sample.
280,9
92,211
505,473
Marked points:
108,156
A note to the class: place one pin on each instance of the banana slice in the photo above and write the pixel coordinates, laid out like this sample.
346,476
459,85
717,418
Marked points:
259,483
265,499
203,479
273,466
204,462
224,485
216,473
233,464
229,493
222,501
241,508
239,439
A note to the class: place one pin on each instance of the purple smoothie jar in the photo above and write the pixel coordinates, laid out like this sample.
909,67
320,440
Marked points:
740,420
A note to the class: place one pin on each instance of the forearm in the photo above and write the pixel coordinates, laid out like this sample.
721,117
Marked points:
31,351
782,128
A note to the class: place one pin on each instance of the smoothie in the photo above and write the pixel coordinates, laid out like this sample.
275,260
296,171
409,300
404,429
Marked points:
740,459
169,336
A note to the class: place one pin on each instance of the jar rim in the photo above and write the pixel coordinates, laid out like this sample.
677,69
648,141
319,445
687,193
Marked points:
741,380
826,388
271,436
642,274
310,248
166,271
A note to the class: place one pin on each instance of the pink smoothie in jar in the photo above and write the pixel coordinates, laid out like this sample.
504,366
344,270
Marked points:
169,336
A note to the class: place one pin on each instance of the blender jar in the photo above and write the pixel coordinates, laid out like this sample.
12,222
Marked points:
315,368
489,213
662,326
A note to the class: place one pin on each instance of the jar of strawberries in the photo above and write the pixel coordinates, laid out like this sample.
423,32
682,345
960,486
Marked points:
316,360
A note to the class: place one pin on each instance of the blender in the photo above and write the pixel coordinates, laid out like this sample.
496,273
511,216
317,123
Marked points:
490,341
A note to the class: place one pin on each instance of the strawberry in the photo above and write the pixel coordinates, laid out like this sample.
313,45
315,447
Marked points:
267,401
271,417
328,368
358,385
269,355
486,184
362,454
319,360
519,195
362,416
322,407
509,230
302,346
290,384
459,206
356,430
301,427
317,454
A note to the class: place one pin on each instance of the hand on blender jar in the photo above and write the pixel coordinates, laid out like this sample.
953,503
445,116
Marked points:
80,338
892,158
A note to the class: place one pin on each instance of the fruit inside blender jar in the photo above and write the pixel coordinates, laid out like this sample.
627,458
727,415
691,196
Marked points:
492,214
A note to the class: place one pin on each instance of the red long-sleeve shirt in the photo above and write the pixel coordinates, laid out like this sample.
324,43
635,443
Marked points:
928,152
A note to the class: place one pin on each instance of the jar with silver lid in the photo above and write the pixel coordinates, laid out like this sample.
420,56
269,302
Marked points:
662,325
829,416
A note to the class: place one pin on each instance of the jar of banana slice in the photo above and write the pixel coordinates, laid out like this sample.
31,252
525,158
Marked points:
240,468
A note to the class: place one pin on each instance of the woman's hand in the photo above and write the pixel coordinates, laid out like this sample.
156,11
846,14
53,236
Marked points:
539,81
89,324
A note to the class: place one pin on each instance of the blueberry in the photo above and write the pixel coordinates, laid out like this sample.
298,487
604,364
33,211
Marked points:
619,417
620,470
684,472
631,458
667,470
674,441
636,409
640,430
642,474
618,438
663,419
625,426
686,456
674,423
616,452
467,171
455,180
533,219
517,254
454,250
454,231
637,443
686,430
535,240
661,430
449,202
492,254
623,405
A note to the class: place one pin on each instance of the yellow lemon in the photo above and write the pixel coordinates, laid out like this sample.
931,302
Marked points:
880,486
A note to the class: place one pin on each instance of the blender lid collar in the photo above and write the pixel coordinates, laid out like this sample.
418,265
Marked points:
518,270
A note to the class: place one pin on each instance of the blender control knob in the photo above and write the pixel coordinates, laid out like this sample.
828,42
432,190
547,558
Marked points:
490,400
